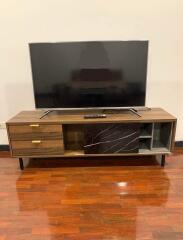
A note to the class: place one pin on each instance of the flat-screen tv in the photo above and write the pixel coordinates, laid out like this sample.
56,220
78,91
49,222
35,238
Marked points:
105,74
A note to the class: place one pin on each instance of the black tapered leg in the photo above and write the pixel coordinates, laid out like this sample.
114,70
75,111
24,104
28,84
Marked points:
21,163
162,160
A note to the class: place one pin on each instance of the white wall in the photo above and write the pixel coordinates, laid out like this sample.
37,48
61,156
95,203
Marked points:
159,21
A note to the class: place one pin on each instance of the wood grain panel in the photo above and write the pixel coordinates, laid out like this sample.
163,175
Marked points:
44,148
35,131
73,136
152,115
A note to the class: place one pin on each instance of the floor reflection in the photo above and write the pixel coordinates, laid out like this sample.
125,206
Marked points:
92,198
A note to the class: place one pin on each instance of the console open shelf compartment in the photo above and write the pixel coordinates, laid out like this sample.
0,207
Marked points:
144,144
146,130
162,134
73,135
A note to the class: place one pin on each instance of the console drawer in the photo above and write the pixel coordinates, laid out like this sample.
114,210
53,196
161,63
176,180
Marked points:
37,147
35,131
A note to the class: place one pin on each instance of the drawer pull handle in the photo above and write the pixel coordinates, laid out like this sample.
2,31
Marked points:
36,141
34,125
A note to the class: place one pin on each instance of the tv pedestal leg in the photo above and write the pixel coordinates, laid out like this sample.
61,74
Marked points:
45,113
21,163
162,160
134,111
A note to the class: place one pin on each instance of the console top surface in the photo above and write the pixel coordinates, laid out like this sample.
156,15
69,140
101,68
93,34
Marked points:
77,116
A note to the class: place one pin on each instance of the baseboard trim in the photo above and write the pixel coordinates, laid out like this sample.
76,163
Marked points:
179,144
5,147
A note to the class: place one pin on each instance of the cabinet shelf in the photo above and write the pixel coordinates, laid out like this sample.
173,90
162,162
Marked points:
73,153
145,136
154,151
146,129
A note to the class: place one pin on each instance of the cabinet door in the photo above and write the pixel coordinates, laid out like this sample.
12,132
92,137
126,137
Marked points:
112,138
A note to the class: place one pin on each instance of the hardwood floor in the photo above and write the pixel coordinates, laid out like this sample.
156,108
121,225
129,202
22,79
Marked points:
106,198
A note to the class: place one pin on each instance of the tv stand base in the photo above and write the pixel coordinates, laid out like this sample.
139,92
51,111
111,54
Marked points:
132,110
45,113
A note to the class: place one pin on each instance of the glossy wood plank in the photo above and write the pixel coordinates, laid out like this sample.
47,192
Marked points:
106,198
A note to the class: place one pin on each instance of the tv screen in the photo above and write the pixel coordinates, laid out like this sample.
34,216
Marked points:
89,74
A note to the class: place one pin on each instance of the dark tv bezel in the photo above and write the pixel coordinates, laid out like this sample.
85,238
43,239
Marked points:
90,108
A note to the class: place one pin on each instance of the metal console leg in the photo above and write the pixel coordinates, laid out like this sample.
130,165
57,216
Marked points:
162,160
21,163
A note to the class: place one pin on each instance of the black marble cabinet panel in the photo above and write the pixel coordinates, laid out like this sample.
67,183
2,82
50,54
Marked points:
111,138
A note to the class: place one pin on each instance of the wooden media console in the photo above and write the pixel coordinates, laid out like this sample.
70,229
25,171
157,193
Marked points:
68,134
